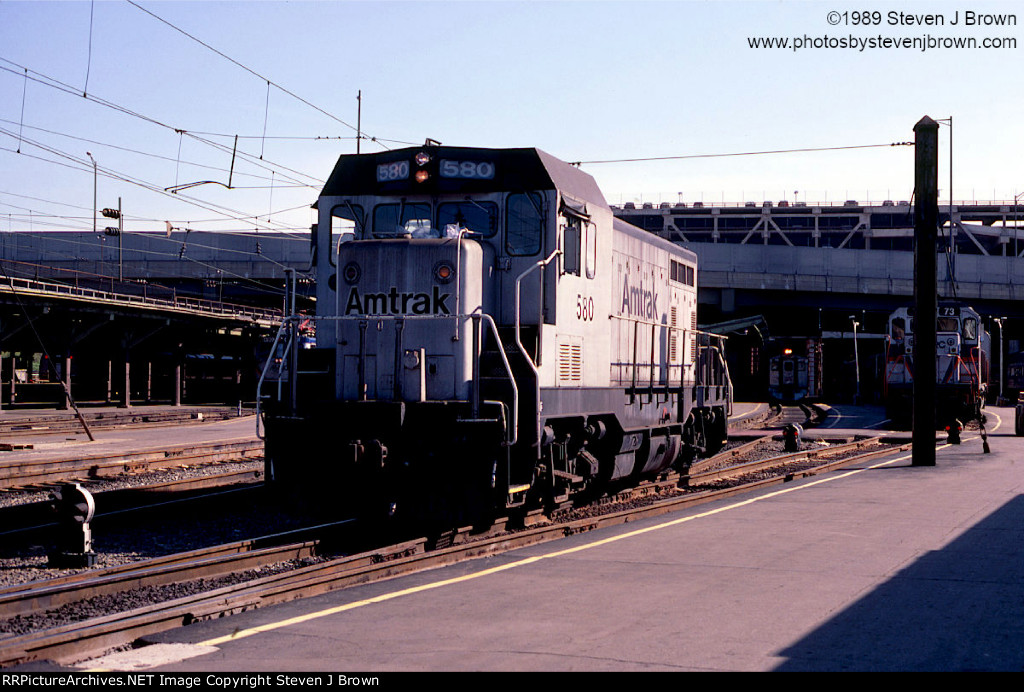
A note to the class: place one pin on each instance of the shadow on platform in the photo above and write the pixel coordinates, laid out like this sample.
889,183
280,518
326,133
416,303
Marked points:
956,609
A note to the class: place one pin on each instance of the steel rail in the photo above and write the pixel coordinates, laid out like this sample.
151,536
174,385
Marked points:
217,562
18,425
714,474
28,519
20,473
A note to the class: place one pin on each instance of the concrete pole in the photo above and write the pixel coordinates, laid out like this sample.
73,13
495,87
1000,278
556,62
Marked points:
66,395
926,216
127,402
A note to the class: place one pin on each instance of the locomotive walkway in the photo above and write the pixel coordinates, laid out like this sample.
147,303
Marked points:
882,566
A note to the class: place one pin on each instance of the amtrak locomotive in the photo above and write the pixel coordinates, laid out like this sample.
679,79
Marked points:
488,336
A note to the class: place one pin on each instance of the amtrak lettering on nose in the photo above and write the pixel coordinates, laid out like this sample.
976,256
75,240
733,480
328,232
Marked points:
638,301
395,302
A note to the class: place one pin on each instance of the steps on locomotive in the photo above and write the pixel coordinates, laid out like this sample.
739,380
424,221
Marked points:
494,378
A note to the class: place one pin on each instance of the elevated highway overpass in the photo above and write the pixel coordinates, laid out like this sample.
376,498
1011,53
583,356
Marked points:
145,318
811,271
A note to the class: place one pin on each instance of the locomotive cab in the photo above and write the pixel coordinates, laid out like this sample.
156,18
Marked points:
487,336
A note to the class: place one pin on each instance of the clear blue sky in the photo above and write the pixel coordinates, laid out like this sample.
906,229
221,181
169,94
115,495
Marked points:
582,80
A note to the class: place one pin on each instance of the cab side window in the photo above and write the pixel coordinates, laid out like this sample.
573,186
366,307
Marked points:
524,223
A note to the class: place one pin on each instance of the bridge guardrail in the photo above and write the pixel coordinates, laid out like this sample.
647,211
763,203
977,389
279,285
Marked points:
190,305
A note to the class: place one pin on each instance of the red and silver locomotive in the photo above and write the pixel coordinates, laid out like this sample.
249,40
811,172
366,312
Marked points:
488,336
963,349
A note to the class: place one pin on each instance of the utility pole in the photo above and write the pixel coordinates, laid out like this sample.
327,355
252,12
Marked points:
94,185
856,360
926,305
1002,368
111,231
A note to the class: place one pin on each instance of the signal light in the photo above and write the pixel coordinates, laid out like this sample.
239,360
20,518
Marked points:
112,230
111,213
953,432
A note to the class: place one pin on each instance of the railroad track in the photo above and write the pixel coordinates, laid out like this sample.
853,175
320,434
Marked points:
805,415
719,468
21,424
80,640
27,472
29,519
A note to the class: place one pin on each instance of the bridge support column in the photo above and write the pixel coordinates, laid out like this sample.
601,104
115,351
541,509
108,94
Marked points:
177,383
126,399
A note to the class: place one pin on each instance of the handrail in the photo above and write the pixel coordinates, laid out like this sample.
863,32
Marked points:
266,369
540,321
511,437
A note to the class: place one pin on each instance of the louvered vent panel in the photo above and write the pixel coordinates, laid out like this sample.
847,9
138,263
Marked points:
570,363
673,336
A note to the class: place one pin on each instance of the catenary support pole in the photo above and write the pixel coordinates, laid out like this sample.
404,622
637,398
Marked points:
926,215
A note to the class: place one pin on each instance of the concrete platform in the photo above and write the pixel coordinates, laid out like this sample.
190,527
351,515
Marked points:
880,567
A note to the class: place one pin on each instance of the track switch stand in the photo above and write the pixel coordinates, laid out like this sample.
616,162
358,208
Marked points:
791,437
75,508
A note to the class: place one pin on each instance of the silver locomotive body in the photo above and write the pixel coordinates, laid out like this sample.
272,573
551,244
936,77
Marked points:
488,335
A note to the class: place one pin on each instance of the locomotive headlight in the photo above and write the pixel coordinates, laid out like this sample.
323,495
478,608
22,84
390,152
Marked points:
351,273
422,158
422,176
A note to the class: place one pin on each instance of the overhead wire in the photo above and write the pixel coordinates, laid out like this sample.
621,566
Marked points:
286,230
252,72
61,86
152,187
140,152
741,153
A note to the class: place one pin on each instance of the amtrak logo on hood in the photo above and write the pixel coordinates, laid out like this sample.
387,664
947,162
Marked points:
395,302
638,301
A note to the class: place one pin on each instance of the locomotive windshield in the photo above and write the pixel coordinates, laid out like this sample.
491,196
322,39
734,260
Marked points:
479,217
402,218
